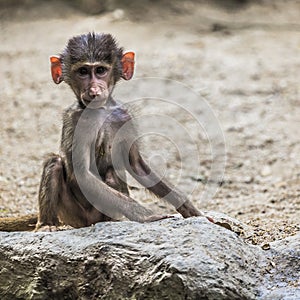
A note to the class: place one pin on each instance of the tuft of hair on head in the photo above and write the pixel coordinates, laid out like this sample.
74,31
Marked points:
92,47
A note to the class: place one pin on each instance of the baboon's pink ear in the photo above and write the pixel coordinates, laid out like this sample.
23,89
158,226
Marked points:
56,69
128,65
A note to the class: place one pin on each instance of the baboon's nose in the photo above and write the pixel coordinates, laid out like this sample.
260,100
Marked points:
94,91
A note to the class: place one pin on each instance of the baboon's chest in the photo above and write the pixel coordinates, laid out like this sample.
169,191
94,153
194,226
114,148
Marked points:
108,148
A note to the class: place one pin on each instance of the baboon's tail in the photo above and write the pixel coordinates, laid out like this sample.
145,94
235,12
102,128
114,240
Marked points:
23,223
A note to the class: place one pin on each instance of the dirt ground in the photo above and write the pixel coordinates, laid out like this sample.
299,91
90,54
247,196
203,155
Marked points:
244,60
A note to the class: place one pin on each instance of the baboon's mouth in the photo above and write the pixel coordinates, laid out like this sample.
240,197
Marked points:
97,100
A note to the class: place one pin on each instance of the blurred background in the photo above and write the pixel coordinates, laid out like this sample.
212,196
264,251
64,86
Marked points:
241,56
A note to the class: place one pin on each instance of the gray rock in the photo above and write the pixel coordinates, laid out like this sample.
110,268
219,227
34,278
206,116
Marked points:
169,259
282,279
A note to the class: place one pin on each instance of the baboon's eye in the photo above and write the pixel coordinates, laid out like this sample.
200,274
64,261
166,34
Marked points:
101,70
82,71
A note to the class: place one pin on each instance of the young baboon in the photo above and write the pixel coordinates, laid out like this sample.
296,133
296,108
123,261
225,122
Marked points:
80,186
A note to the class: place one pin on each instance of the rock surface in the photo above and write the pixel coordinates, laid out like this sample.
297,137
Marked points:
169,259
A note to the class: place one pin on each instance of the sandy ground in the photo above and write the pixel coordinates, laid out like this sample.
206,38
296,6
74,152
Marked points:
245,62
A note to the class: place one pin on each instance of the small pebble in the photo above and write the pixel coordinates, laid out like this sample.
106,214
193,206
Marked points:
266,171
